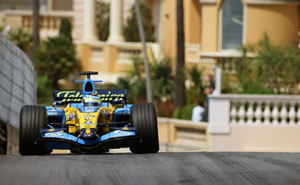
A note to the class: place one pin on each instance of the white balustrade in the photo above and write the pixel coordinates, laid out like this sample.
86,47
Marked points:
267,115
298,116
250,114
275,114
292,115
267,110
283,115
233,114
241,115
258,115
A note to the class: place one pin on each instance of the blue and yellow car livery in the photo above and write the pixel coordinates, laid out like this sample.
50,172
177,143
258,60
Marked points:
73,125
88,121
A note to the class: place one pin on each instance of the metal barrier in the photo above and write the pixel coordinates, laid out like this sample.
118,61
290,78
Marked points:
18,82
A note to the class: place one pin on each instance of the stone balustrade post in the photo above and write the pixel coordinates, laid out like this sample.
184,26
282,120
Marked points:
219,115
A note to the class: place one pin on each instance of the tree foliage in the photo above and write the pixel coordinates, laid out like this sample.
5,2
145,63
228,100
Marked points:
131,32
278,67
275,70
65,28
133,81
22,39
161,79
184,112
44,90
162,83
56,58
195,93
102,19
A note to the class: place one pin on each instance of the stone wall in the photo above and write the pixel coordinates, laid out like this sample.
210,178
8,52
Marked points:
17,87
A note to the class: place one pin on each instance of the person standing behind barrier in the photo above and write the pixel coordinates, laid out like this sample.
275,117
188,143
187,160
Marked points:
198,111
209,89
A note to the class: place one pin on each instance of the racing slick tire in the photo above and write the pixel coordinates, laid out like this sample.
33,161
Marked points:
32,119
143,118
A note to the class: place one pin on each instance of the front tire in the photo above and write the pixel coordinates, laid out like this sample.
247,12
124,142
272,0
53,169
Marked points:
32,119
143,118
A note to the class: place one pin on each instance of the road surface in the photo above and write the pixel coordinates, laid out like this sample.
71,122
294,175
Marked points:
163,168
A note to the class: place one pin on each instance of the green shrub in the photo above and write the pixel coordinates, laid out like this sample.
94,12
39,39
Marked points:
131,32
65,28
56,56
184,112
195,93
134,81
102,19
56,59
275,70
22,39
162,82
44,91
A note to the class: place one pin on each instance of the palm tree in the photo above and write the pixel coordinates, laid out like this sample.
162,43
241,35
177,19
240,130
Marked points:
179,76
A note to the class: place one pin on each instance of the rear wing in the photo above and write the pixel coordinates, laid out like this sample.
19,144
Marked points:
117,96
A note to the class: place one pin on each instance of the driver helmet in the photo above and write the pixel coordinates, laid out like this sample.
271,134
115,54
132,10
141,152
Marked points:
91,101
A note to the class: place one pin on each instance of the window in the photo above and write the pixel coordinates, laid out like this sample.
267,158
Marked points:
232,24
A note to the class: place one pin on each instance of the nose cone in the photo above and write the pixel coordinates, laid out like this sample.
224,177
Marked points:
88,133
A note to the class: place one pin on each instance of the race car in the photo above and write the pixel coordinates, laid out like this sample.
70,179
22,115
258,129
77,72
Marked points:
88,121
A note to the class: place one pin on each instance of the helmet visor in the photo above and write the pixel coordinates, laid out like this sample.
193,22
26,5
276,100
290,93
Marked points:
91,104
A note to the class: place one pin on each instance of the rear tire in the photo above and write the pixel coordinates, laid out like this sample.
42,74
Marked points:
32,119
143,118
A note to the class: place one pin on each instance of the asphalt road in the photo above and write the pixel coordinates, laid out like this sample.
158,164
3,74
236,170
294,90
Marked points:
162,168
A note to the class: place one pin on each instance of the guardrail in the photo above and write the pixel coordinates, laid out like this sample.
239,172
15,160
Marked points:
17,87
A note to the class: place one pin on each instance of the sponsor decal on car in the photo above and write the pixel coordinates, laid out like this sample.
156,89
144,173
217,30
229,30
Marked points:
87,116
88,123
60,135
53,134
76,96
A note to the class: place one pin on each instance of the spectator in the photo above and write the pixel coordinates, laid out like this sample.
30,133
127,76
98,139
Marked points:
198,111
209,89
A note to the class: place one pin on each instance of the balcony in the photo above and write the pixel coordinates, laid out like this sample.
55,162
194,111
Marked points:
49,21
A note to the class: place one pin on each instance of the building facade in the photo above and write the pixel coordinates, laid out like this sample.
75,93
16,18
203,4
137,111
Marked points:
228,24
214,29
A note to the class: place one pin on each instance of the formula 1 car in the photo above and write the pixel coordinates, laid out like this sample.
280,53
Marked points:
88,121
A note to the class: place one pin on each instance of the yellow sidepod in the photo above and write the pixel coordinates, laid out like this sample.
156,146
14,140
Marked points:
106,116
72,121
